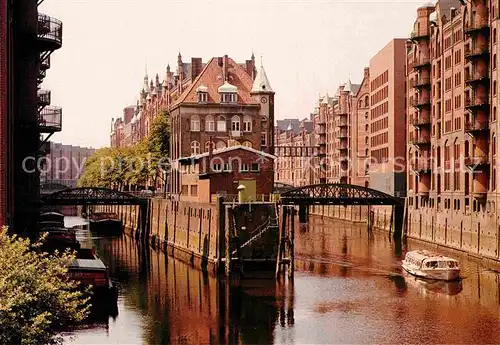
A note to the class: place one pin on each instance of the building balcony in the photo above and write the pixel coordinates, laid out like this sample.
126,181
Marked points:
343,135
477,162
421,102
420,35
476,53
343,146
49,33
473,79
477,104
480,195
342,123
41,76
422,82
476,127
50,120
422,120
478,28
343,159
342,113
235,134
321,128
422,167
423,62
343,173
43,97
423,193
420,141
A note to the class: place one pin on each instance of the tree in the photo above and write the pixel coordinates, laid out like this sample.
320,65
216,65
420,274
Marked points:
37,299
159,144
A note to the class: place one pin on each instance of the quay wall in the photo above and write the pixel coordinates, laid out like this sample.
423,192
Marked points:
195,232
356,214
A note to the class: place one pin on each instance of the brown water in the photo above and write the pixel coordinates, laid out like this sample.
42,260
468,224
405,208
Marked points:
349,288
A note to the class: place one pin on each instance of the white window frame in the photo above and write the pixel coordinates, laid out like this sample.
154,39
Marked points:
207,146
227,167
244,167
195,147
217,167
255,170
221,124
263,139
202,97
247,123
195,123
209,124
229,97
235,123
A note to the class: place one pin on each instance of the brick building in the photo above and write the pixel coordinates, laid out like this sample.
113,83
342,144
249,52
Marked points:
358,131
65,164
296,170
221,172
27,40
220,102
453,84
388,119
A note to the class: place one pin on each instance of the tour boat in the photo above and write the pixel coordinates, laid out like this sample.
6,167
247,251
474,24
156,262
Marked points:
425,264
51,219
59,238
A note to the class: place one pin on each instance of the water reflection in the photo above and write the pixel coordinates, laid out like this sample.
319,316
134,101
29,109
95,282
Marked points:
349,288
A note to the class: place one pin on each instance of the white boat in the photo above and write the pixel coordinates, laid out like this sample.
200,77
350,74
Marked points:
425,264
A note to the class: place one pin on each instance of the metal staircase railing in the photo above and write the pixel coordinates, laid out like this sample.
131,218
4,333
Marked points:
271,223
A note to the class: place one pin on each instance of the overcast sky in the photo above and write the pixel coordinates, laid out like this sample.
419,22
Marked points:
308,47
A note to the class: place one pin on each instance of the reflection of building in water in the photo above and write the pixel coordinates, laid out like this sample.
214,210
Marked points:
188,306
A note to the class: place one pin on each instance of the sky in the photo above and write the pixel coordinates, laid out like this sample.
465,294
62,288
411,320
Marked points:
308,47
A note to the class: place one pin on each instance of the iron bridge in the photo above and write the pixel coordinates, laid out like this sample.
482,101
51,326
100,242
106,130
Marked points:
91,196
338,194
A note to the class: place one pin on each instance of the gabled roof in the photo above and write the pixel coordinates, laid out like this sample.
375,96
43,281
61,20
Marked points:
283,125
212,77
228,149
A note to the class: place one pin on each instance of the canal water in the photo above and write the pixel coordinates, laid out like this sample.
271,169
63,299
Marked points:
349,288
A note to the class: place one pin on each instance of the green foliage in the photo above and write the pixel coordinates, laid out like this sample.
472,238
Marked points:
36,297
135,165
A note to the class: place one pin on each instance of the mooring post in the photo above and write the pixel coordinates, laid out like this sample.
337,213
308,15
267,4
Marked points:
291,265
228,241
281,242
302,214
398,214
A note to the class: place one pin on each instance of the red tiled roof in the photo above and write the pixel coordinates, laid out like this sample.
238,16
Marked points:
212,78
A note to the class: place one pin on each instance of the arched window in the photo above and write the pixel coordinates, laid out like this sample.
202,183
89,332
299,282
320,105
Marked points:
221,124
366,127
235,123
247,144
221,145
247,123
209,123
207,146
195,148
494,113
195,123
366,152
367,101
495,87
495,35
494,61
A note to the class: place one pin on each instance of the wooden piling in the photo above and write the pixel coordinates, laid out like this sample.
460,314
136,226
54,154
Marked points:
291,244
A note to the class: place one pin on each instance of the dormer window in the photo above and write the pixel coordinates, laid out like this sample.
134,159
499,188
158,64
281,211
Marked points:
202,94
228,93
229,98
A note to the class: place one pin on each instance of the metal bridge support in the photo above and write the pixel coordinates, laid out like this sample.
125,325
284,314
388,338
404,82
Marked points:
303,214
398,216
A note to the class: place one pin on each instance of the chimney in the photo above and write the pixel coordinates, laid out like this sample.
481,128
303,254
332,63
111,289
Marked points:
367,72
250,68
196,67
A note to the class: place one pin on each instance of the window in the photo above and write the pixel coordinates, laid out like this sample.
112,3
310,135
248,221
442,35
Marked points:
184,189
247,144
194,190
366,128
195,148
209,123
207,146
229,97
255,167
367,101
235,123
221,124
244,167
247,124
220,145
495,87
195,123
202,97
217,167
227,167
263,139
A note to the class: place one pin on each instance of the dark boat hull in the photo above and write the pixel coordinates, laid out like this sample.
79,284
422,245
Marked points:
107,226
